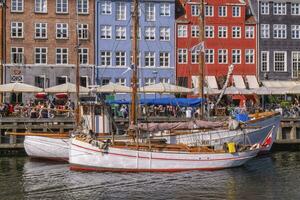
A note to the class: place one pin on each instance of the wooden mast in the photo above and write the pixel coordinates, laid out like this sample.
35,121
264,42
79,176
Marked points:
77,108
135,22
201,55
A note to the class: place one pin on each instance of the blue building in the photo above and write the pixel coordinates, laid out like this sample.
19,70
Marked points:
114,38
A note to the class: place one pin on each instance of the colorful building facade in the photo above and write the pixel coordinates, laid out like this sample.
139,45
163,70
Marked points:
113,42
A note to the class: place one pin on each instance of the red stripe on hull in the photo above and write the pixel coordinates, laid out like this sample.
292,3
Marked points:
98,169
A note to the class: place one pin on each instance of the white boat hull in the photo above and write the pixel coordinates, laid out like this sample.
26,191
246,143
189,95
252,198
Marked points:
47,148
86,157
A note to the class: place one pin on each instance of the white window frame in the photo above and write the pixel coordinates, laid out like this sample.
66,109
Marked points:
182,56
62,29
195,11
195,31
209,56
120,32
120,58
279,31
165,9
150,12
105,32
19,53
121,10
150,33
164,80
236,32
209,31
296,62
236,56
164,33
106,8
120,81
39,28
150,81
249,56
222,11
222,56
15,27
279,8
83,53
295,8
182,31
295,31
106,56
42,7
222,30
83,31
285,61
267,61
236,11
195,56
264,8
265,31
209,11
62,54
249,32
81,9
15,6
164,59
62,3
149,58
40,55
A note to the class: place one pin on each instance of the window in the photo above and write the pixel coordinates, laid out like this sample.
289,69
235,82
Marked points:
149,33
138,59
164,59
40,6
279,61
222,56
182,56
236,56
120,11
182,81
249,32
121,32
84,81
222,31
165,9
295,8
120,81
138,33
236,11
249,56
265,30
164,33
209,56
105,58
279,8
295,64
295,31
132,7
61,56
195,10
149,81
17,55
105,32
105,81
17,6
149,59
61,80
195,56
209,11
236,32
16,30
40,81
182,31
264,61
279,31
40,55
264,8
150,11
40,31
61,6
195,31
209,32
82,6
62,31
120,58
83,31
106,8
222,11
83,55
164,80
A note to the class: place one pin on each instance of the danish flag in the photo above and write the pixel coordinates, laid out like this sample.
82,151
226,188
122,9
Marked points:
268,140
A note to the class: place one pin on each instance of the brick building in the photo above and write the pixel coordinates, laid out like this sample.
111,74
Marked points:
230,38
41,41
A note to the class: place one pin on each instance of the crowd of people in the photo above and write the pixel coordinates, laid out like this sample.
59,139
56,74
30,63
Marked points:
38,108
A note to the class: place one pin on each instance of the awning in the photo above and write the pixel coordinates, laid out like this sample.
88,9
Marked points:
211,82
113,88
19,87
252,82
239,81
164,88
280,84
66,87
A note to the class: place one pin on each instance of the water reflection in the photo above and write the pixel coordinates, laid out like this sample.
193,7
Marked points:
276,176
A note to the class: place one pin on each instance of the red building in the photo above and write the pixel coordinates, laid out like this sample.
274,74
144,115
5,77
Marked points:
230,38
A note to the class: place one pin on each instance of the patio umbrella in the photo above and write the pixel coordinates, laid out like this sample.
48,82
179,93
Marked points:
66,88
262,91
113,88
294,90
164,88
235,90
19,87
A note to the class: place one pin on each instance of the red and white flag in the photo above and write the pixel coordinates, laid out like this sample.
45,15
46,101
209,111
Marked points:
268,140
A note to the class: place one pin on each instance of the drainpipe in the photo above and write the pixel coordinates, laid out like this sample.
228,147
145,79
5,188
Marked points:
2,18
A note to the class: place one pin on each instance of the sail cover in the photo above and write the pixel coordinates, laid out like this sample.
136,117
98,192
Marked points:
182,102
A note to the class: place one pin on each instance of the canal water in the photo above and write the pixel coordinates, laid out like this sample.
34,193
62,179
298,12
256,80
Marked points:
275,176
